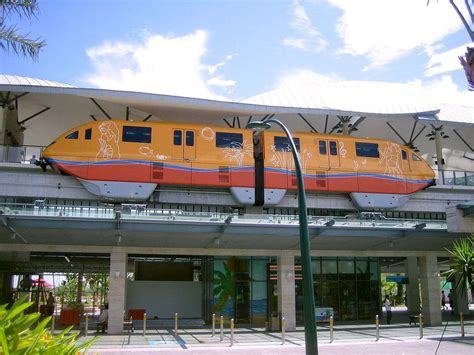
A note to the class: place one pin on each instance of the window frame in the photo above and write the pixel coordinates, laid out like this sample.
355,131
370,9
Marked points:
176,133
88,134
234,140
367,149
325,146
72,135
282,141
146,132
333,144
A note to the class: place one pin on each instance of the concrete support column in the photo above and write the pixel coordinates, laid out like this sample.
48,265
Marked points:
118,275
461,303
286,290
3,124
430,290
413,290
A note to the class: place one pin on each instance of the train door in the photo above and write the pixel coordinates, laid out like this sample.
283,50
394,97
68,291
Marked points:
189,145
177,148
333,154
405,161
323,153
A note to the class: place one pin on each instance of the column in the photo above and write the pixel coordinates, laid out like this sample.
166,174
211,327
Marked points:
412,288
286,290
430,290
3,123
118,275
461,303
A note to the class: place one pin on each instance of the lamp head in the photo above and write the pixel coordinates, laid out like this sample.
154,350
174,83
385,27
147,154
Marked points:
258,126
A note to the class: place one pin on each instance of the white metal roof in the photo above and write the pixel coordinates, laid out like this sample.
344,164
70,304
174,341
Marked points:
355,96
313,97
23,80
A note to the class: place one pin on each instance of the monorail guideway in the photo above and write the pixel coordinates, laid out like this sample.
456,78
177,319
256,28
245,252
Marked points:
122,160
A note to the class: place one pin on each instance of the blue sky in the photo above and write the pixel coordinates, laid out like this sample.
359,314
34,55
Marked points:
237,49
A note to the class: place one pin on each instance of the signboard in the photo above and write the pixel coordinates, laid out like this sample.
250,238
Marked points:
323,313
397,278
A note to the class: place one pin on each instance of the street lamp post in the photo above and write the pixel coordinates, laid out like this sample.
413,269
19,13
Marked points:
311,340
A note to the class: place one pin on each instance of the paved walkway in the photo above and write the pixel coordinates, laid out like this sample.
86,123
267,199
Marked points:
353,339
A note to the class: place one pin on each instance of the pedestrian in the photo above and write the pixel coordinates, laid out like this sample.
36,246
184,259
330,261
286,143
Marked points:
451,300
443,301
388,308
50,304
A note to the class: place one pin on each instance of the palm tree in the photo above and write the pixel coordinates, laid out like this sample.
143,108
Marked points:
463,264
10,38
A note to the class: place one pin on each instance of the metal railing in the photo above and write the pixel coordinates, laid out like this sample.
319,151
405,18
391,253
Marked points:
19,154
41,209
455,177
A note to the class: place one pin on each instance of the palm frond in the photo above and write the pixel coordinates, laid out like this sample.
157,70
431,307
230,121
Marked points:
27,8
10,39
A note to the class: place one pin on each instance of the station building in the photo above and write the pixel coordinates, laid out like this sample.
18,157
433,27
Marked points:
196,251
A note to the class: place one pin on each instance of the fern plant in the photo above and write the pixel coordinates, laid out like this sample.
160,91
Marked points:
22,333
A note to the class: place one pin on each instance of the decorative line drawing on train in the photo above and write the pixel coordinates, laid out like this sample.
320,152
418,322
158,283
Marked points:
119,160
342,150
391,156
237,151
208,134
147,151
109,142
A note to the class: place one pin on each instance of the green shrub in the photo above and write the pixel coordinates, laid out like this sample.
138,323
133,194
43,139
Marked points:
22,333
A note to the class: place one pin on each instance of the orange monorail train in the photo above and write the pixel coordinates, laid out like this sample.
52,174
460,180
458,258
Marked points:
125,160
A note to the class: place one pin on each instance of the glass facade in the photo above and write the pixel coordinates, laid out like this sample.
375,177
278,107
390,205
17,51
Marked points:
245,288
238,288
349,285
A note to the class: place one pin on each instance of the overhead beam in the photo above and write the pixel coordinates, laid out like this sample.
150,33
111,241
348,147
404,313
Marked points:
100,108
463,140
356,123
313,130
34,115
399,136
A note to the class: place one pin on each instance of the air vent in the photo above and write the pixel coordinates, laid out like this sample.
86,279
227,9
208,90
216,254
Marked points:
321,179
158,171
224,176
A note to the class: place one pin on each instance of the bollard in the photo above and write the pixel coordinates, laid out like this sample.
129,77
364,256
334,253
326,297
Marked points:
222,328
421,326
283,326
144,324
331,329
232,331
213,324
86,330
377,327
176,324
461,319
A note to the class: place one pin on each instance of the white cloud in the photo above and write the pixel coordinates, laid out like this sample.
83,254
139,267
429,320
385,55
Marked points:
309,37
213,68
384,30
445,62
445,90
219,81
160,64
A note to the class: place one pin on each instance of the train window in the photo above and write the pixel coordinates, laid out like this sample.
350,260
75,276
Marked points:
370,150
136,134
88,134
415,157
332,147
322,148
404,155
73,135
282,144
189,138
178,137
229,140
